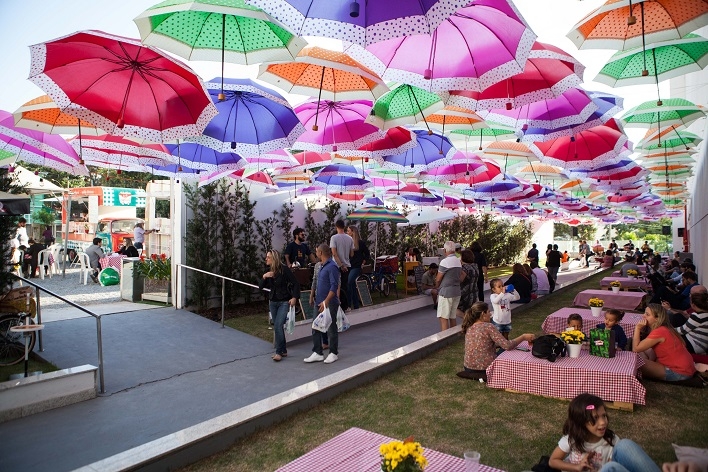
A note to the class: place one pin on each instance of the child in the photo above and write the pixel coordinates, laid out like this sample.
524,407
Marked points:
501,298
612,322
588,442
575,321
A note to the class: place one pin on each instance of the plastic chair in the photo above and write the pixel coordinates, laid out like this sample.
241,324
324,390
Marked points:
57,253
85,267
45,265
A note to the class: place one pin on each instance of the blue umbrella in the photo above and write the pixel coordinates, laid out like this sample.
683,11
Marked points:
198,157
252,119
432,150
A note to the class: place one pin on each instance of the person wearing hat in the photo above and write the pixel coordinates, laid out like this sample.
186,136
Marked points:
139,235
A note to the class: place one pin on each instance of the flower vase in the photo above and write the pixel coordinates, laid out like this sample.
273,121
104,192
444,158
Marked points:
632,277
574,349
596,311
616,289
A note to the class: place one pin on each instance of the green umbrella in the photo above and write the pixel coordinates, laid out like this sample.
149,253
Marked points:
674,139
377,214
660,61
672,112
493,132
404,105
217,30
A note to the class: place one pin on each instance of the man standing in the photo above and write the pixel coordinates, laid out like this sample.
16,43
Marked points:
21,233
342,246
533,254
95,253
298,251
553,262
450,274
139,235
428,283
326,296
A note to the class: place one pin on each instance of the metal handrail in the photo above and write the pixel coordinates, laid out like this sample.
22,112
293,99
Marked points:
101,383
223,285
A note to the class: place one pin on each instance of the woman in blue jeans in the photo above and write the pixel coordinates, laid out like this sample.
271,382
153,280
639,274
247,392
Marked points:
361,255
284,293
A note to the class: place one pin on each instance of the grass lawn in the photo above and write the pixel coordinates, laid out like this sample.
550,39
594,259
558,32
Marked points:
35,365
449,414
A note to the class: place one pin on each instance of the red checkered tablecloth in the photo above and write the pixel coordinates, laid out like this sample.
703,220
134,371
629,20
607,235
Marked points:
626,301
357,450
558,321
114,260
626,282
613,380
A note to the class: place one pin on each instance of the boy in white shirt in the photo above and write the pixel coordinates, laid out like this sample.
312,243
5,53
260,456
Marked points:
501,299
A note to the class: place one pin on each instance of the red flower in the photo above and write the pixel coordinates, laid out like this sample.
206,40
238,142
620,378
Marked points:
163,256
153,257
142,258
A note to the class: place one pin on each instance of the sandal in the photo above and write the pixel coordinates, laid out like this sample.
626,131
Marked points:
285,354
277,357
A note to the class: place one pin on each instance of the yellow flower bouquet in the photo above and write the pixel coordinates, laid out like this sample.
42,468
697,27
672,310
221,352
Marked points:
596,302
632,272
406,456
615,283
573,336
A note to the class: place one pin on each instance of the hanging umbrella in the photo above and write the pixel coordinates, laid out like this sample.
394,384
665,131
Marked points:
276,160
121,151
471,50
549,71
42,114
377,214
626,24
493,132
654,139
432,150
405,105
363,23
252,119
325,74
310,160
176,172
415,194
227,31
14,204
121,86
673,112
455,170
395,141
195,156
445,122
343,125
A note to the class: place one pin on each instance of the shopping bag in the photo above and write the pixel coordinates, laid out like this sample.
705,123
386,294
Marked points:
602,342
342,321
290,321
322,321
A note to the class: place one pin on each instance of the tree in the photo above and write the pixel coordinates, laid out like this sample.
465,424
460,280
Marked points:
8,228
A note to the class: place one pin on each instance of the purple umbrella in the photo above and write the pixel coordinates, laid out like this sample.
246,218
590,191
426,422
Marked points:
335,125
472,49
252,119
198,157
361,22
431,150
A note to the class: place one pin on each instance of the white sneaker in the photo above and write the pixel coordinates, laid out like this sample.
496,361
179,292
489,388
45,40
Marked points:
314,357
331,358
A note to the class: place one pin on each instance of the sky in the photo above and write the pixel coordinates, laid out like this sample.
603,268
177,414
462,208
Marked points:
27,22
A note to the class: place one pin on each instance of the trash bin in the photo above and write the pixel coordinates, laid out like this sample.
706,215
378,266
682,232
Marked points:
131,284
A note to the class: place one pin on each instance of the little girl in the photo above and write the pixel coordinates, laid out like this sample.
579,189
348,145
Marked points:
612,320
588,442
501,298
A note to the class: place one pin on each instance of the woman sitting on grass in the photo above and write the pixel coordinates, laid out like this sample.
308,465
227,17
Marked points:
482,339
666,356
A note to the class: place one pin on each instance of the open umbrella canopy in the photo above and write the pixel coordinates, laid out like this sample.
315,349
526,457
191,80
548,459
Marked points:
42,114
196,156
363,23
121,86
227,30
325,74
432,150
395,141
377,213
405,105
471,50
119,150
15,204
672,112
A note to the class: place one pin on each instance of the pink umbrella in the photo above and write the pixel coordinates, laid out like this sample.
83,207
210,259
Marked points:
473,49
119,150
122,86
342,124
275,159
310,159
395,141
549,72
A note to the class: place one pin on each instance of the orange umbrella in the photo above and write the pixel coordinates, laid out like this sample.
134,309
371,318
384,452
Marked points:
328,75
42,114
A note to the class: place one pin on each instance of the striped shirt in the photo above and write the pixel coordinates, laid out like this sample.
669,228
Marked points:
695,332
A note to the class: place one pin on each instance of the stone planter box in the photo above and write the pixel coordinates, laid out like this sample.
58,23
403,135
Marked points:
157,290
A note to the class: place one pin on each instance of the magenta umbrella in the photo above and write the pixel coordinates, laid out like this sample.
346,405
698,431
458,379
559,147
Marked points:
335,125
122,151
395,141
471,50
122,86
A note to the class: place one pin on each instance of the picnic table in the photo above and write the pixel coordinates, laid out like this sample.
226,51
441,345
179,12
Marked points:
627,283
614,379
357,450
642,272
626,301
112,260
558,321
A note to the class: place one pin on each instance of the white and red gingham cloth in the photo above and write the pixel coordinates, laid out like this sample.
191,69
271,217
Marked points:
113,260
626,282
613,380
357,450
625,301
558,321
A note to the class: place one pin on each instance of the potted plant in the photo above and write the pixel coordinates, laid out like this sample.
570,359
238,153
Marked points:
596,305
574,339
86,228
406,456
616,285
157,272
632,273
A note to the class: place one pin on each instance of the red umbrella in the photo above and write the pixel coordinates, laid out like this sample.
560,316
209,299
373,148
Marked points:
121,86
396,141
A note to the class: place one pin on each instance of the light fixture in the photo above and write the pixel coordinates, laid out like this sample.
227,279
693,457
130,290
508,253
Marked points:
427,74
354,9
120,123
221,97
233,144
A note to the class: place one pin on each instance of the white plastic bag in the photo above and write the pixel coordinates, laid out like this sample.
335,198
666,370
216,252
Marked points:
322,321
342,321
290,321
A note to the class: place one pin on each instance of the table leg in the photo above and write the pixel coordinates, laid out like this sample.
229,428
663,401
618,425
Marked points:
26,354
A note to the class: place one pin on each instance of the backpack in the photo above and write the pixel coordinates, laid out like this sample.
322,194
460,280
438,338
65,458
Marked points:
548,347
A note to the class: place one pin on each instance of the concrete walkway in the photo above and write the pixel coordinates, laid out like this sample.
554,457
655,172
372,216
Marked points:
167,370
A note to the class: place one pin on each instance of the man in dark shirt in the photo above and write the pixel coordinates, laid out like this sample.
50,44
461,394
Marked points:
298,250
553,262
31,261
533,254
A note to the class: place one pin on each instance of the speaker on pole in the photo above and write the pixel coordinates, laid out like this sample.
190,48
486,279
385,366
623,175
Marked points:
575,231
666,230
680,232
